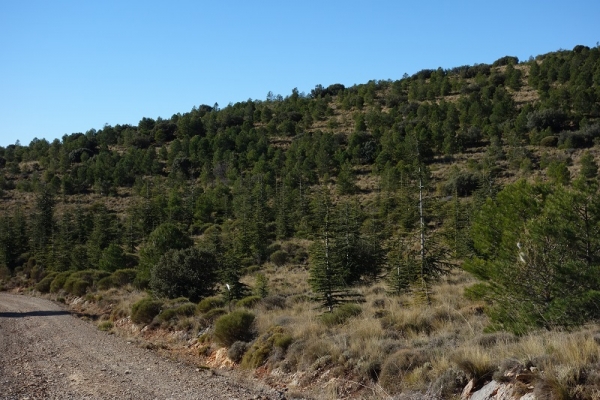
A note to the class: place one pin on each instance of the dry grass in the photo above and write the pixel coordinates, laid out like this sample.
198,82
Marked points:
395,346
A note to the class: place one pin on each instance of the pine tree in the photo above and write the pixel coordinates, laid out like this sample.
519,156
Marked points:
327,271
402,265
42,227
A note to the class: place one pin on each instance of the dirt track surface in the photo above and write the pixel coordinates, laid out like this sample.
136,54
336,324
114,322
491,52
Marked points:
45,353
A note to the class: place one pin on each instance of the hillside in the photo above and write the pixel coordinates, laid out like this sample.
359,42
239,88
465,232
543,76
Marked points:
391,237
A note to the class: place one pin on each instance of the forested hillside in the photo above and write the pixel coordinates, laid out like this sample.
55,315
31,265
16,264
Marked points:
354,201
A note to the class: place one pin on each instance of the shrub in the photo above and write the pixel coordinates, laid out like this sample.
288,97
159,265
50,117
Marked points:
261,287
549,141
166,315
248,302
341,314
283,340
262,347
105,326
144,311
214,314
59,281
77,287
43,286
236,351
78,282
233,327
122,277
113,258
463,183
105,283
190,272
279,257
186,310
209,303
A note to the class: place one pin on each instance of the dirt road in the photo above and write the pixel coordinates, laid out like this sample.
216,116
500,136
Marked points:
45,353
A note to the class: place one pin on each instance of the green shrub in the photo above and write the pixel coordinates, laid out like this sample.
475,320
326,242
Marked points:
209,303
282,340
43,286
105,326
279,257
79,287
261,286
59,281
186,310
166,315
105,283
144,311
549,141
341,314
263,346
248,302
214,314
190,272
233,327
122,277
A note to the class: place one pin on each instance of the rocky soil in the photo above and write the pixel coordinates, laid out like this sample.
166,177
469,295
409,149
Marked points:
46,353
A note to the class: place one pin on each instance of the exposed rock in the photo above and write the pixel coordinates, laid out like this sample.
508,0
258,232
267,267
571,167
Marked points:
494,390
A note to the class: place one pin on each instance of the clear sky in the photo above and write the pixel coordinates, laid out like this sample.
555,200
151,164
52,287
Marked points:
69,66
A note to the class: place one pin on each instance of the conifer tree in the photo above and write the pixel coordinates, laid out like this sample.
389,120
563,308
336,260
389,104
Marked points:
327,274
42,226
402,265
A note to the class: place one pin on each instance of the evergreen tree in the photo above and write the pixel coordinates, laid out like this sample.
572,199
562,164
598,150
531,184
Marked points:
537,254
346,180
402,266
327,274
42,226
13,239
164,238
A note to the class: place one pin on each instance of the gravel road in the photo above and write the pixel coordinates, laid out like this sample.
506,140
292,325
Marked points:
45,353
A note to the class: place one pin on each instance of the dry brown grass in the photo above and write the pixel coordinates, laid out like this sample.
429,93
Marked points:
396,345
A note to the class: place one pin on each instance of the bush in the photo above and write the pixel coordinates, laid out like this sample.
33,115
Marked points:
279,257
144,311
78,282
105,326
214,314
262,347
59,281
248,302
105,283
186,310
233,327
122,277
190,272
209,303
166,315
283,341
76,287
463,183
341,314
44,285
549,141
236,351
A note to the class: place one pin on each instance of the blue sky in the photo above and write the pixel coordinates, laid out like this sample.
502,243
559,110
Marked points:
70,66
